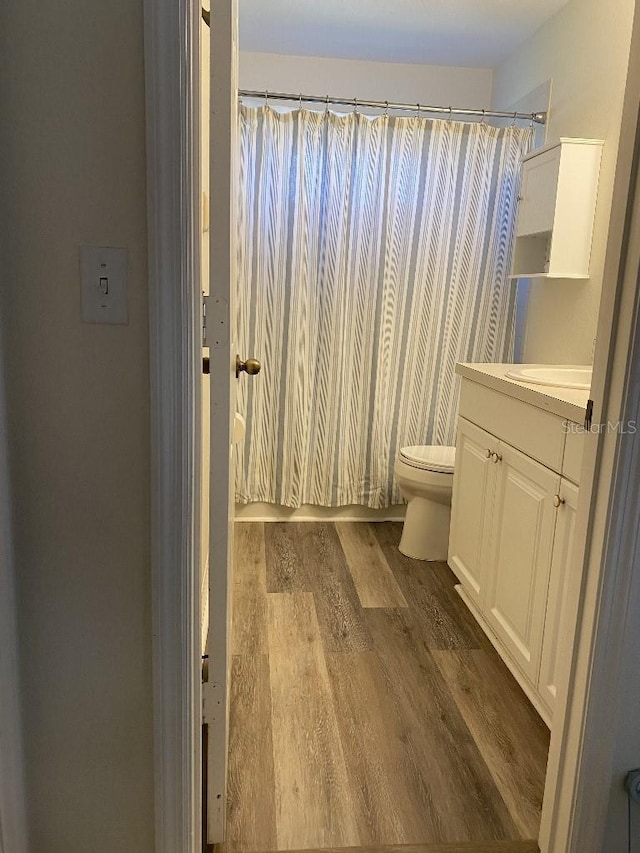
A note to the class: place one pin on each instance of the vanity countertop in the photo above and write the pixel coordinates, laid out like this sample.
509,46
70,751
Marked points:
568,403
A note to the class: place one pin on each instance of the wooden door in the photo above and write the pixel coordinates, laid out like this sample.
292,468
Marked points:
521,542
471,509
219,328
559,586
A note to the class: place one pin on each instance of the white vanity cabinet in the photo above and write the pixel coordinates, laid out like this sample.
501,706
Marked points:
470,517
559,589
520,556
512,530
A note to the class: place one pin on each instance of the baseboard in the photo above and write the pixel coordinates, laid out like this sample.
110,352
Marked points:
518,845
273,512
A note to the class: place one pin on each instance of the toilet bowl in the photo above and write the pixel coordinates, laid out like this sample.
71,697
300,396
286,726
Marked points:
424,475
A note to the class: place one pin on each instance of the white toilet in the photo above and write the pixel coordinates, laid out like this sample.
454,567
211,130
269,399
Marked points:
425,477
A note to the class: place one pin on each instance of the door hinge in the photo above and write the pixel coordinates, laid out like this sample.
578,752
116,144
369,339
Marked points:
632,784
215,322
588,416
210,703
206,702
204,320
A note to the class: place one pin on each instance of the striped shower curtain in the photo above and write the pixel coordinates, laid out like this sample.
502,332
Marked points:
373,255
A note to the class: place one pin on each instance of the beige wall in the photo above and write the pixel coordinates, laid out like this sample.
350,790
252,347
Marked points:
584,49
72,171
403,82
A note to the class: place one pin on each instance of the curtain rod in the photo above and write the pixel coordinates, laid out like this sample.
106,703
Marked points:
537,118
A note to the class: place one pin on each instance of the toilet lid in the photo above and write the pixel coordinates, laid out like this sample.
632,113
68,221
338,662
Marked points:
430,457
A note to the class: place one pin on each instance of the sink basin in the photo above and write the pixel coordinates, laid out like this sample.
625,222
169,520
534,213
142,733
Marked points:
561,376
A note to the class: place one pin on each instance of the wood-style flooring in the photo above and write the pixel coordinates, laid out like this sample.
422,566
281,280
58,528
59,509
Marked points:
367,707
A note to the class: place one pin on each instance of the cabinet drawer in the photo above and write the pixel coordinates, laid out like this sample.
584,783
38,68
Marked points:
539,434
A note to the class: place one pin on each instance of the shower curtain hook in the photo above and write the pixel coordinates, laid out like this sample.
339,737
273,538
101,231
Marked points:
531,122
266,97
386,108
513,120
450,113
482,120
417,110
326,105
355,106
300,101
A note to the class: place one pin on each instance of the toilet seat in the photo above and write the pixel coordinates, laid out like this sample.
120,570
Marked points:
438,458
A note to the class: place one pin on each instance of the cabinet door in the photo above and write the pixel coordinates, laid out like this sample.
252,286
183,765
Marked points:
538,191
471,507
521,541
560,585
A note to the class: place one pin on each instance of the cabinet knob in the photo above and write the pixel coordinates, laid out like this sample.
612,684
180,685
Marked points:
557,500
496,457
489,453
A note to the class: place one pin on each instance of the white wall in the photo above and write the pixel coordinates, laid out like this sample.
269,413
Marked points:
584,50
72,171
387,81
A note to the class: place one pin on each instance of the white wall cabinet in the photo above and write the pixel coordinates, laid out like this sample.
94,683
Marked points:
556,210
511,536
538,190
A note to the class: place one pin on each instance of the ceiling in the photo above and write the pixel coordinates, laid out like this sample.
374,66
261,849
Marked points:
478,33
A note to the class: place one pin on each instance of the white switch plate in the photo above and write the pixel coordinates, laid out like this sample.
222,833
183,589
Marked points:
103,282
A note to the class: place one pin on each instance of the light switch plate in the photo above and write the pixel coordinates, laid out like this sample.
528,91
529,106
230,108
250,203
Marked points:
103,282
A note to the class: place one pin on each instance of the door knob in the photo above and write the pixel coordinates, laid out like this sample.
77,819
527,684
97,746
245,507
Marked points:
250,366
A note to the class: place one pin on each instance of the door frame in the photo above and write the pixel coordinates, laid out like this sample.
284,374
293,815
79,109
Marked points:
579,763
171,48
607,551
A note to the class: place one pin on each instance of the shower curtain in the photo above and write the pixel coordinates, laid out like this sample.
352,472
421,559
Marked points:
373,254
